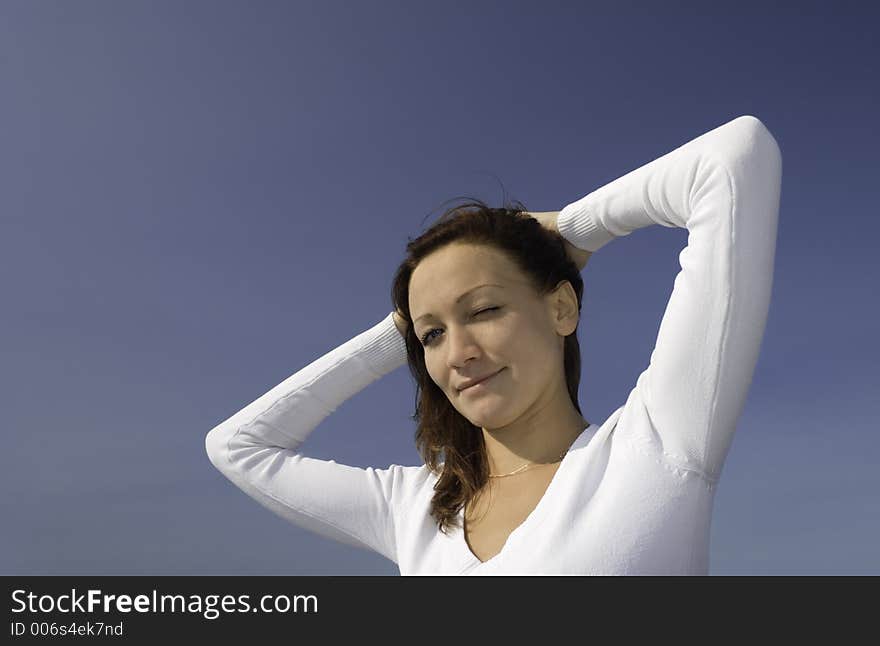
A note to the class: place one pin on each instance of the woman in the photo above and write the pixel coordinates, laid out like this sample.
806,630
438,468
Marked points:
527,485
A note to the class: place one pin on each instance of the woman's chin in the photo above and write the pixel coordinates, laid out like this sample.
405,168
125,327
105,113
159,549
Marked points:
489,416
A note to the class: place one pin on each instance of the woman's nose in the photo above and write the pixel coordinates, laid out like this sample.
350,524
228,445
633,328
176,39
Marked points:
462,347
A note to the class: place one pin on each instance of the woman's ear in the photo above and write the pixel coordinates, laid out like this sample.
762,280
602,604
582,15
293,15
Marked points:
564,308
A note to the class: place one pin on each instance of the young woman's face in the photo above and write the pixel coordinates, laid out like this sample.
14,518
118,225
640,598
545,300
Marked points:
476,315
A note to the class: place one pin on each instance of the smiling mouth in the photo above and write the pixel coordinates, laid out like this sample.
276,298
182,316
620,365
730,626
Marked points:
481,381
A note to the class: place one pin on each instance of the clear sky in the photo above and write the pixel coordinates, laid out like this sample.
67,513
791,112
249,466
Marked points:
200,198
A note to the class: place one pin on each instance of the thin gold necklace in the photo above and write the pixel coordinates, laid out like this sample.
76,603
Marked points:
525,466
537,464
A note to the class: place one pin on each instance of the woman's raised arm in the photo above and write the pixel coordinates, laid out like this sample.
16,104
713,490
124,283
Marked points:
724,187
256,448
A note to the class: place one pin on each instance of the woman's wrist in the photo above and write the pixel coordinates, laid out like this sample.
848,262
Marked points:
400,323
548,220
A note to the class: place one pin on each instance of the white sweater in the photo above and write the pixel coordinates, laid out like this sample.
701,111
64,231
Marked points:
633,495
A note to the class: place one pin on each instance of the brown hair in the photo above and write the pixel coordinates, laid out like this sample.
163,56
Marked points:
541,256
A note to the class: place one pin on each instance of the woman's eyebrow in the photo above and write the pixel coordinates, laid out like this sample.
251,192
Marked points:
458,300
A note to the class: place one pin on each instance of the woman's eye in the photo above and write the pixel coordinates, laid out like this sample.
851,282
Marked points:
426,337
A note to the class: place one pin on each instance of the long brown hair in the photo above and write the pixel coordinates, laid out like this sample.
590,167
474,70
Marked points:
441,429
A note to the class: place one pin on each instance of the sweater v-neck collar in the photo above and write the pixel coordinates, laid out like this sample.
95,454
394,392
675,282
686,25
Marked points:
471,560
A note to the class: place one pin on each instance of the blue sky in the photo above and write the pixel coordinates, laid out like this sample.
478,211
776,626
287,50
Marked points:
200,198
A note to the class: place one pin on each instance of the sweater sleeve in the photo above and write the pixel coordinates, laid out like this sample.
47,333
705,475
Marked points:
256,448
724,187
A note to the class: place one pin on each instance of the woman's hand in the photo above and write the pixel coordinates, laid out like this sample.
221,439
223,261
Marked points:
548,221
400,323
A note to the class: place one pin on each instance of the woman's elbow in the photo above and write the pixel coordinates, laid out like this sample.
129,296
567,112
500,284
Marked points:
217,447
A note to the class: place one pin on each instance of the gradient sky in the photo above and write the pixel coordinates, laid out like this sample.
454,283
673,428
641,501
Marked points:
201,198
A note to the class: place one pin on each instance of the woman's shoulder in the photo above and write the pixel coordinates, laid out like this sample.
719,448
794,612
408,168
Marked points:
411,479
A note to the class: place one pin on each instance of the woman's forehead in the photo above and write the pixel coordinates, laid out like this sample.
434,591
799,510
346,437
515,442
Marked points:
461,263
443,280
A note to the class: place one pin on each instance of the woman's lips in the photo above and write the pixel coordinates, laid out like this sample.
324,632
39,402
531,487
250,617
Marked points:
480,384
